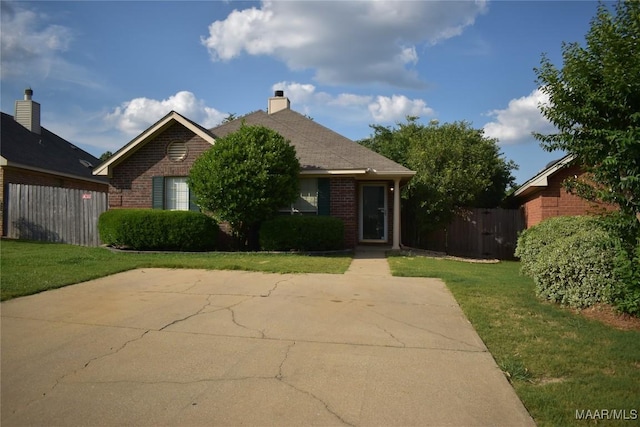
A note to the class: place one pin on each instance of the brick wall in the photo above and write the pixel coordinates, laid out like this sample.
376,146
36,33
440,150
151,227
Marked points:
13,175
344,205
554,200
131,183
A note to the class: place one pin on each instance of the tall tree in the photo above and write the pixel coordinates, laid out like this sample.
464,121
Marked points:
245,177
105,156
595,105
457,167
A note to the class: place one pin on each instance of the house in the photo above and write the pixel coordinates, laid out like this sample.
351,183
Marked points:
31,154
338,177
543,196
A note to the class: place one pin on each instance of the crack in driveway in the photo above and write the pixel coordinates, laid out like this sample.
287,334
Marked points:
281,378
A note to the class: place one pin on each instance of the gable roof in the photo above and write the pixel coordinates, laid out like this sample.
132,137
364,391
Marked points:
146,136
44,152
541,179
319,149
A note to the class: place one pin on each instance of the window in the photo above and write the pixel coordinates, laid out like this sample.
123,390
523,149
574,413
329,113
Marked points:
176,194
308,200
172,193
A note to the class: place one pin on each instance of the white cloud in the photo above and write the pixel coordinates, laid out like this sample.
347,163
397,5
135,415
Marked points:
382,109
33,49
397,107
28,43
343,41
521,117
136,115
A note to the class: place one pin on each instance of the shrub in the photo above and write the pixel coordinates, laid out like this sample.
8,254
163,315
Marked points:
626,297
549,232
158,230
571,260
302,233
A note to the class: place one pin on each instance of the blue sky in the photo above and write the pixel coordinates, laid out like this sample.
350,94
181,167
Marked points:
104,71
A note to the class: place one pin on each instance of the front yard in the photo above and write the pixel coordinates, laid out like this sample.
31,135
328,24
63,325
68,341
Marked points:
562,365
32,267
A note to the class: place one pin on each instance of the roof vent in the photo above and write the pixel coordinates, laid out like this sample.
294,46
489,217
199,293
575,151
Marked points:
86,163
278,102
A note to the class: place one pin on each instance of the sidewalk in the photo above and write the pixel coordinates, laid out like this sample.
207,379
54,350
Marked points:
370,261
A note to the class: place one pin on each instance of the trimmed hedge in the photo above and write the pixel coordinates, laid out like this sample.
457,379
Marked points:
142,229
302,233
571,260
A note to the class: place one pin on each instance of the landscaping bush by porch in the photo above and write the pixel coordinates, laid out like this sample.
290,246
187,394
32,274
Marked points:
302,233
158,230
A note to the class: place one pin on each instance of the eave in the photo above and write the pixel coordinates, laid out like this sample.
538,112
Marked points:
541,180
5,163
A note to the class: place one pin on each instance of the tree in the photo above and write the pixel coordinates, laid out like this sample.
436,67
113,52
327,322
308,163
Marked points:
245,177
595,105
456,167
230,117
105,156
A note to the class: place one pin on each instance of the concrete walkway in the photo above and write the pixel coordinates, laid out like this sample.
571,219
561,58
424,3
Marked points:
198,348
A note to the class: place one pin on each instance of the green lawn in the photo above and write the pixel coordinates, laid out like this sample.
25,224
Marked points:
559,362
30,267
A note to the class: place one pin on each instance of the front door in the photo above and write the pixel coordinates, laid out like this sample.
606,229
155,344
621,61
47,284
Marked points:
373,213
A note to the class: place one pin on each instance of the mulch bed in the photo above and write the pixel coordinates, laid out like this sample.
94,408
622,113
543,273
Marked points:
609,316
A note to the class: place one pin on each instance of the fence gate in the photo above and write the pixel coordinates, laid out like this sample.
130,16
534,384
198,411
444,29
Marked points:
480,233
54,214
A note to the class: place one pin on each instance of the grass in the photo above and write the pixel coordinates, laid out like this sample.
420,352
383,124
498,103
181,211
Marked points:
30,267
558,361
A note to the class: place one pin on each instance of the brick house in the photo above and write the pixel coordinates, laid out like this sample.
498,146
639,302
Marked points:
338,177
31,154
543,196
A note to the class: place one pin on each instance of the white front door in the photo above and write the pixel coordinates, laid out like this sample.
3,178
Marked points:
373,213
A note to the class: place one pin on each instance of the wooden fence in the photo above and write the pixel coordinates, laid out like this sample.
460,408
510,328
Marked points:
54,214
480,233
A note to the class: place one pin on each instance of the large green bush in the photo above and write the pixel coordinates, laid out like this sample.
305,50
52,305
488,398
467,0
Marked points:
302,233
571,260
158,230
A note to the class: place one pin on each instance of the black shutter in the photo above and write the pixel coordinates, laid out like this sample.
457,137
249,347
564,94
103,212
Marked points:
324,196
157,192
193,202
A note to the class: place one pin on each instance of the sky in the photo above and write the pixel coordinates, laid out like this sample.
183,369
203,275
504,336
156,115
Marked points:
104,71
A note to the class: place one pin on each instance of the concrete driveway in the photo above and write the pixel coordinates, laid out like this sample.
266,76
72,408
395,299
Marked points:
194,347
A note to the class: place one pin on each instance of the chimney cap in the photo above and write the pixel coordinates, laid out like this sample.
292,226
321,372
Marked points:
279,93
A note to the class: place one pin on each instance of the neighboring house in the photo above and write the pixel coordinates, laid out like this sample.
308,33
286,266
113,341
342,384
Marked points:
30,154
543,196
339,177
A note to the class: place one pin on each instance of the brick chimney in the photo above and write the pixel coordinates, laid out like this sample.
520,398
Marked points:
278,102
28,112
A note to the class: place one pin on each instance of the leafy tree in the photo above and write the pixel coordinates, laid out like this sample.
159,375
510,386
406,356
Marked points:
105,156
457,167
229,118
595,105
245,177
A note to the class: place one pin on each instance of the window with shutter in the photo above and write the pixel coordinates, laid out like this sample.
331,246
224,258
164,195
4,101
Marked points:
172,193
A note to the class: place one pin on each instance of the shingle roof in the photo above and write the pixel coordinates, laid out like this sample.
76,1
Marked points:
317,147
45,151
